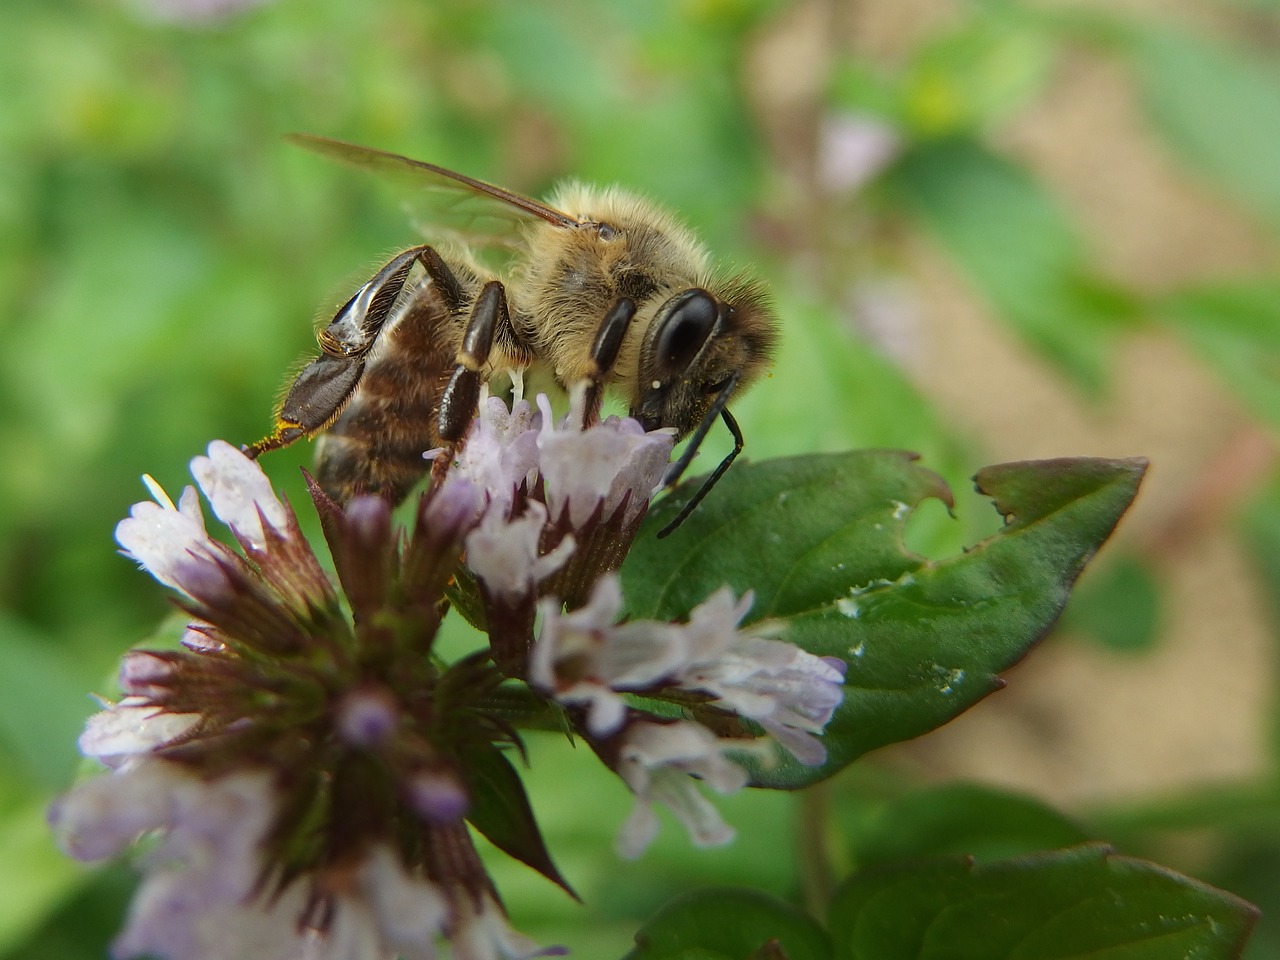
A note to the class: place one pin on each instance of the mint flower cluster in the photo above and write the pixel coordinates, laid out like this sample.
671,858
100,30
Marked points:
303,775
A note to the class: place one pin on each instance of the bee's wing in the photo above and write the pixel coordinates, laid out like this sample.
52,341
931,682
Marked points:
477,211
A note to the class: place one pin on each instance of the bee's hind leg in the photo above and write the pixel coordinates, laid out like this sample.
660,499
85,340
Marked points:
604,354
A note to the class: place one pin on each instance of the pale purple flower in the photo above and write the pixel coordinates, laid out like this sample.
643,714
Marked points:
239,493
504,553
193,13
171,543
195,901
218,749
601,467
200,899
659,762
438,797
481,932
303,767
501,452
202,870
852,149
791,693
368,716
106,813
131,728
585,657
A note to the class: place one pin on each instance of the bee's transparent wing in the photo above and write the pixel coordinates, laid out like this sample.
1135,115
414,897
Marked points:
467,208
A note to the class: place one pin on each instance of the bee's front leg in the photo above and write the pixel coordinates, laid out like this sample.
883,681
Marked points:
604,354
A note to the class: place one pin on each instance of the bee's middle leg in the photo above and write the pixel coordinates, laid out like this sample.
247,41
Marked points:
461,396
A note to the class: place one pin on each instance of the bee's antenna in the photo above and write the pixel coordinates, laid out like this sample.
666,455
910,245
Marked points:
677,469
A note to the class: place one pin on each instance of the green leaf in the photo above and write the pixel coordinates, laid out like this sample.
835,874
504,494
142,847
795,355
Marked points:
1085,902
42,704
964,819
819,541
1217,106
37,877
732,924
976,75
1118,606
1236,328
880,408
1260,529
500,810
1009,236
814,519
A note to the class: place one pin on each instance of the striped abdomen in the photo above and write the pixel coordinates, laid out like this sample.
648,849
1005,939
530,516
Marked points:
376,445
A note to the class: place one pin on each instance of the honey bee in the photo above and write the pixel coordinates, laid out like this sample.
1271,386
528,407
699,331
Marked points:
603,290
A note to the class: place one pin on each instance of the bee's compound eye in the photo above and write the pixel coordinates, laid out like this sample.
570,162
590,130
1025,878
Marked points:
685,330
606,232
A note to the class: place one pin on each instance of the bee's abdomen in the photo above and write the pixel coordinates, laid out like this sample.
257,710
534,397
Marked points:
376,445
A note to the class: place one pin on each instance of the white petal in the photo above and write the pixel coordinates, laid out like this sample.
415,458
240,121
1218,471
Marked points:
237,490
163,540
597,657
189,505
680,794
132,726
485,934
410,913
605,714
501,450
171,916
656,761
352,935
583,468
639,830
100,816
504,553
802,745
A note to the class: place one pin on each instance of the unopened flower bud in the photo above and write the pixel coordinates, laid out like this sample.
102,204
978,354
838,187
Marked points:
438,796
202,578
143,674
370,519
367,717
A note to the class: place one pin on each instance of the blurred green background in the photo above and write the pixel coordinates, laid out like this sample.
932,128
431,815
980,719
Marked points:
995,231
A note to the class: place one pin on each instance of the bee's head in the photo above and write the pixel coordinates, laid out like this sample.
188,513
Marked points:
698,341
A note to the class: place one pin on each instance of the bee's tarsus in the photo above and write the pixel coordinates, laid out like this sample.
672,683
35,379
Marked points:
284,434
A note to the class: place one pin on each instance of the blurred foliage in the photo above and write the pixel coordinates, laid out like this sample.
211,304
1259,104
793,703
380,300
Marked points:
163,257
